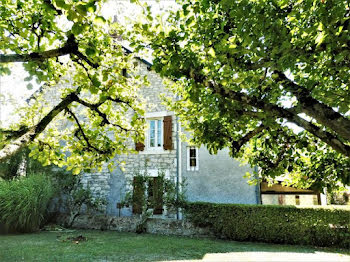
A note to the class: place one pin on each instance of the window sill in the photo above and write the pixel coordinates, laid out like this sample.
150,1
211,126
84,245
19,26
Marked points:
155,152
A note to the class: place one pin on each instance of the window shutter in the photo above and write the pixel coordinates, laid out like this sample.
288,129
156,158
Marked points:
167,135
138,195
139,146
158,195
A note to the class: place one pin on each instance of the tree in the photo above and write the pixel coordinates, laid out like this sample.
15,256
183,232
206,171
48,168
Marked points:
67,46
248,71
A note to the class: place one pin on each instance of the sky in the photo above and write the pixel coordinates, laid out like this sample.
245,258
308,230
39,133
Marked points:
13,91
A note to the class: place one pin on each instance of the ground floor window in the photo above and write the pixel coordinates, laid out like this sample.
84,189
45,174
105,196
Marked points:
148,192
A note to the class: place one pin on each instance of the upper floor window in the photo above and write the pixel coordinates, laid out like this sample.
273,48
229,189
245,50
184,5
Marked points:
159,135
155,135
192,158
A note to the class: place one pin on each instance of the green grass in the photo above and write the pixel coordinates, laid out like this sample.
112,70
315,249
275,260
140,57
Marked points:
114,246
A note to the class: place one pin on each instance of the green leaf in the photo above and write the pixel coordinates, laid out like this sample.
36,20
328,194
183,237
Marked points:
91,7
72,15
28,78
77,29
90,51
60,3
99,20
212,52
320,38
76,171
82,9
30,86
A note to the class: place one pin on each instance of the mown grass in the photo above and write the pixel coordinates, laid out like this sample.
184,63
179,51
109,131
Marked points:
114,246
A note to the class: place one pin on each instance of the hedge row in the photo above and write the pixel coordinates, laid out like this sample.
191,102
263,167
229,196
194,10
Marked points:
274,224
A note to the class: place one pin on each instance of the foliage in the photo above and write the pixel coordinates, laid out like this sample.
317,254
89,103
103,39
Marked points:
164,194
268,79
274,224
72,198
20,164
338,198
74,52
69,196
9,168
24,202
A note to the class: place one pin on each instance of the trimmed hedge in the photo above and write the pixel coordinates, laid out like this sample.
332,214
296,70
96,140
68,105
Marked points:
274,224
24,202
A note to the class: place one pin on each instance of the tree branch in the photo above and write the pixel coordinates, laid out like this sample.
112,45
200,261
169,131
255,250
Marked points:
22,137
288,114
237,145
274,110
83,57
95,108
70,47
324,114
89,145
49,3
118,100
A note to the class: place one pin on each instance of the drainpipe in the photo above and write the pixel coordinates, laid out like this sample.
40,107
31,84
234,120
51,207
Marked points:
257,187
178,165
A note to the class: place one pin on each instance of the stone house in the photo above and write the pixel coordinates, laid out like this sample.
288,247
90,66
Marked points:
205,177
210,178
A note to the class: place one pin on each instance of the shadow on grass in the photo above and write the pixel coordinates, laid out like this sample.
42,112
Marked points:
114,246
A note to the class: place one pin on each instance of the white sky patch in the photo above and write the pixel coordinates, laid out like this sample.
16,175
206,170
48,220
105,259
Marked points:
13,93
123,11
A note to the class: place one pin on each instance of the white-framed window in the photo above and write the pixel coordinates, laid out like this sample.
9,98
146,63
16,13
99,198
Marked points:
155,133
159,135
192,158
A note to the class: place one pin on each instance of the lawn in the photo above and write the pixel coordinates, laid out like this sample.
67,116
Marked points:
114,246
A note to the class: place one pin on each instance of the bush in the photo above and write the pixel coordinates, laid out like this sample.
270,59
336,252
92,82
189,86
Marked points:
24,201
274,224
71,198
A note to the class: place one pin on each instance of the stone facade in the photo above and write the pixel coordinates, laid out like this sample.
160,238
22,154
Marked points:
219,178
113,186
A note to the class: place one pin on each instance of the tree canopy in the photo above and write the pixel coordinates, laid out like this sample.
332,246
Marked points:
247,74
250,72
70,49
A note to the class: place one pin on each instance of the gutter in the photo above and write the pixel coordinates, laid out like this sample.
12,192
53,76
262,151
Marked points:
178,166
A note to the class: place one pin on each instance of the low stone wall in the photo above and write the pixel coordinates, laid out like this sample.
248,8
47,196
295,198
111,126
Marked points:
153,225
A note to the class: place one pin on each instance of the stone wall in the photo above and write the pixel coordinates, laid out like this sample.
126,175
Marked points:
98,183
113,185
153,225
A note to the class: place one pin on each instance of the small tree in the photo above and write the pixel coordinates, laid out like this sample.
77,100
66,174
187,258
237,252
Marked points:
73,199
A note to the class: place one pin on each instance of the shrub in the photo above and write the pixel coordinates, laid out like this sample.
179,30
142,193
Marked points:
24,201
275,224
71,198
